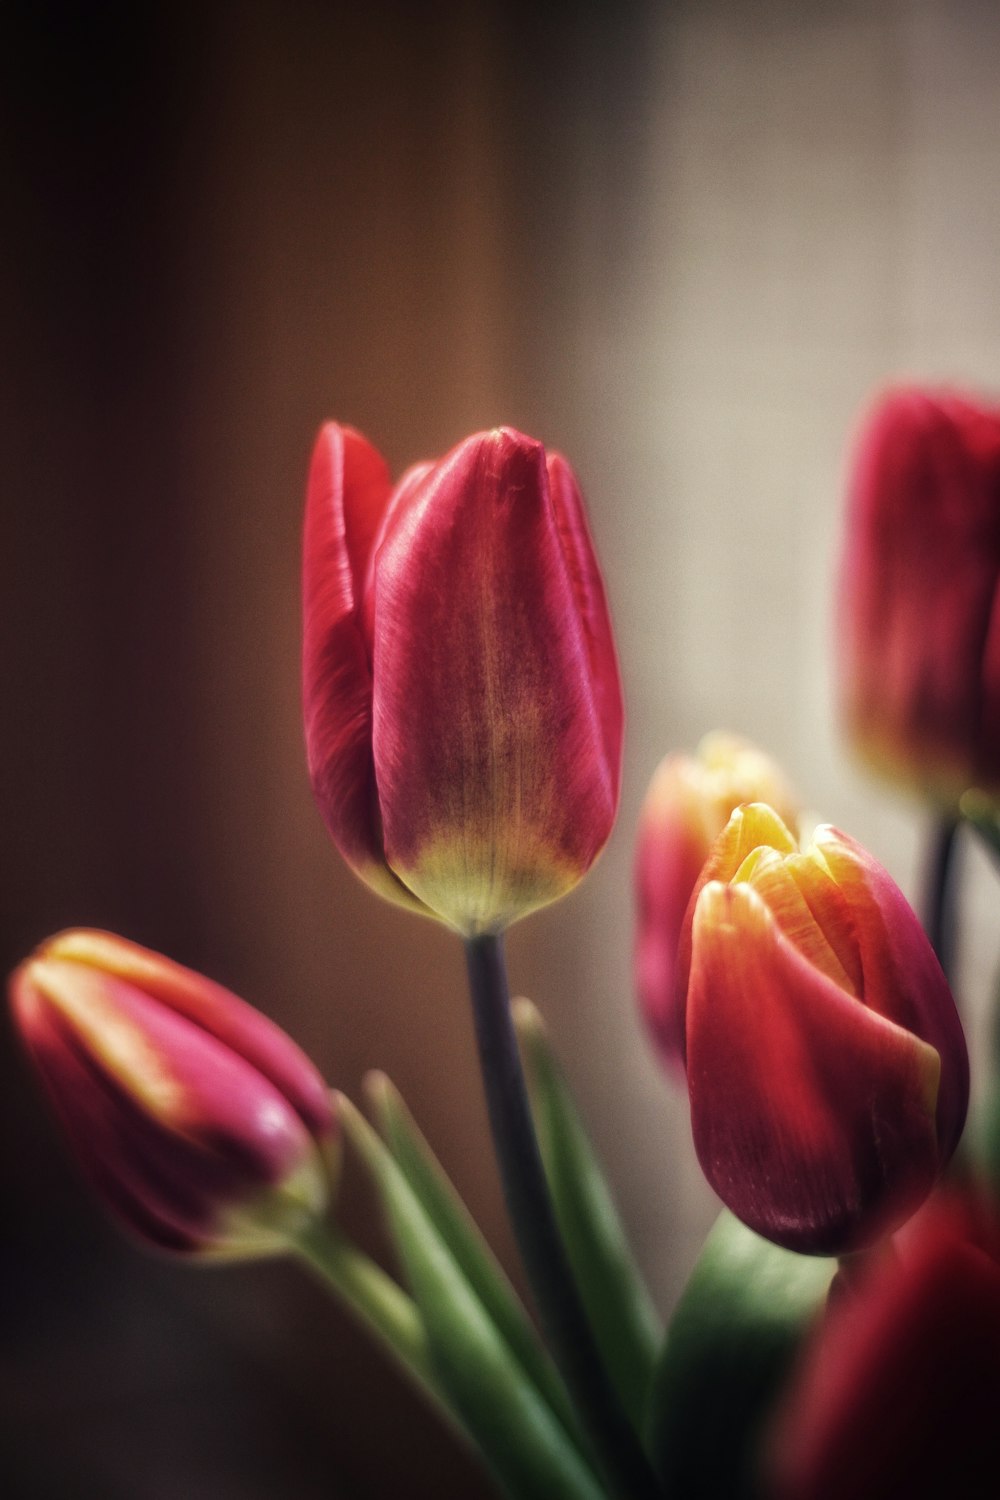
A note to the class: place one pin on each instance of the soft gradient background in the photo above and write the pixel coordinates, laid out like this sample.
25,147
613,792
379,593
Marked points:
683,243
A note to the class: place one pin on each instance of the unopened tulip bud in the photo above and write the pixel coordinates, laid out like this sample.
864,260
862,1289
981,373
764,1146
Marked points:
199,1122
689,801
462,699
919,628
826,1064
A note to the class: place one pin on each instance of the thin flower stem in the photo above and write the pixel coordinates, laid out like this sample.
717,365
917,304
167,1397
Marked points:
529,1204
940,892
377,1302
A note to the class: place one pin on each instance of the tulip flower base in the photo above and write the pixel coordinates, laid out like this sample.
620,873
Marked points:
464,723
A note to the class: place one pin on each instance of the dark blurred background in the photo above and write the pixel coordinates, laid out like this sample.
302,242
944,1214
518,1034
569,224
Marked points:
682,243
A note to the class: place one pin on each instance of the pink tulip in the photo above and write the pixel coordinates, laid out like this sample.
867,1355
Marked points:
689,802
462,700
826,1064
199,1122
919,620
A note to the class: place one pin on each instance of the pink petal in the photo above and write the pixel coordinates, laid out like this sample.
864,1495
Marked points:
592,606
347,496
244,1030
491,757
902,977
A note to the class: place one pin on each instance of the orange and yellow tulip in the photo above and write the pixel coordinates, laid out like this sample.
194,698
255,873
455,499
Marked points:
826,1064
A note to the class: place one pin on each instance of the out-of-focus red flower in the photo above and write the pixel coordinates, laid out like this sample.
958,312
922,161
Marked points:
826,1064
919,620
899,1392
689,801
199,1122
463,706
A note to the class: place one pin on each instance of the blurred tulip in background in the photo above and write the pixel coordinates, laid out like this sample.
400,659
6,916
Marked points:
899,1392
689,802
920,619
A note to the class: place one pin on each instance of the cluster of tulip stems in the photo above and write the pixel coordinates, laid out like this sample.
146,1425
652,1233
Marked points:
840,1333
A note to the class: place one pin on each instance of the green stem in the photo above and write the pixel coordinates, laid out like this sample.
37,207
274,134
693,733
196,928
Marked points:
533,1218
939,897
376,1301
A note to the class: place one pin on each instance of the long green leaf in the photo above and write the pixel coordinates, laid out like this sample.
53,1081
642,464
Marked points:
624,1321
730,1344
458,1230
523,1442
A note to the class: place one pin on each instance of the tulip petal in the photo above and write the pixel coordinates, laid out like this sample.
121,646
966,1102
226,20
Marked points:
771,876
347,497
673,842
592,605
493,780
813,1117
752,826
902,977
216,1010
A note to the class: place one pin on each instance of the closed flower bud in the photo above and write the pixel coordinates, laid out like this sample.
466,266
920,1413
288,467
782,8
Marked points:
199,1122
826,1064
689,802
462,699
920,624
899,1391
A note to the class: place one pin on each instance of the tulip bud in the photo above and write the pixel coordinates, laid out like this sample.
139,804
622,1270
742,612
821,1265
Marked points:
899,1392
827,1069
199,1122
920,631
689,802
462,700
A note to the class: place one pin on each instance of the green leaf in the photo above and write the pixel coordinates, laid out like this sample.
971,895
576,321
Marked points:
730,1344
458,1230
625,1324
522,1441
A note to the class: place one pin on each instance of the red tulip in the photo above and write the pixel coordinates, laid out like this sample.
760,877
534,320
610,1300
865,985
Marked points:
198,1121
826,1065
899,1393
920,631
462,701
689,801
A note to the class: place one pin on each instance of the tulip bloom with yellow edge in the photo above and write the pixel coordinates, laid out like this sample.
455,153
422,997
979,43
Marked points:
826,1064
463,707
198,1121
689,801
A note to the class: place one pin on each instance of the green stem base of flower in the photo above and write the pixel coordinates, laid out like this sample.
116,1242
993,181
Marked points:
622,1459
